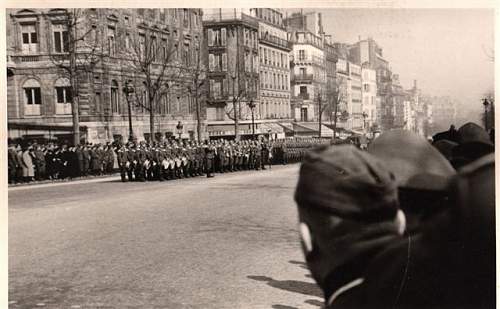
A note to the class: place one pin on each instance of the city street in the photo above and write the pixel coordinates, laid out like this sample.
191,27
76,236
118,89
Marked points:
225,242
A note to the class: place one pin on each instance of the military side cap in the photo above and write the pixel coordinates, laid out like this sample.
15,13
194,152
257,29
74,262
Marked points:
348,183
474,142
445,147
415,163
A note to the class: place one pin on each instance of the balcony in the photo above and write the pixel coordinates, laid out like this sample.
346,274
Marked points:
275,41
302,78
302,96
30,58
227,15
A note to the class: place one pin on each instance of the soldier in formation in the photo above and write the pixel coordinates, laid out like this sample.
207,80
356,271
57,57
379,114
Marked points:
151,161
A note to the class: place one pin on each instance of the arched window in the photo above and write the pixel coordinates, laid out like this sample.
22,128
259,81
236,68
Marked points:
32,97
115,98
63,96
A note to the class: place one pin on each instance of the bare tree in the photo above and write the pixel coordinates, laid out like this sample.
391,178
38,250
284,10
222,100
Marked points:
154,61
76,51
321,109
196,86
233,111
336,100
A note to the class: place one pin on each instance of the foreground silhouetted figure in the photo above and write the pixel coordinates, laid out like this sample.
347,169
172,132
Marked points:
365,253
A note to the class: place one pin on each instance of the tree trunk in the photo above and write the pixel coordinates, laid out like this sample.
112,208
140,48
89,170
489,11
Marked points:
198,121
236,122
74,84
75,119
335,119
151,120
320,110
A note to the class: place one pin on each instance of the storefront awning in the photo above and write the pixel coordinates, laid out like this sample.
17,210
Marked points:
42,127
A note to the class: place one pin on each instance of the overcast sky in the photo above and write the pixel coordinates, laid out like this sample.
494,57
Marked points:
446,50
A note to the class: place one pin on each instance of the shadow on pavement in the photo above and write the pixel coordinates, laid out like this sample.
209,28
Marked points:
305,288
301,264
315,302
283,307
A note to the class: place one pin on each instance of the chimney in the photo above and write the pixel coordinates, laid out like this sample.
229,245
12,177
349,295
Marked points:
414,84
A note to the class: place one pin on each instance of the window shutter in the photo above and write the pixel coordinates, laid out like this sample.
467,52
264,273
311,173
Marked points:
57,42
212,88
65,41
210,37
224,62
224,87
38,96
223,36
211,62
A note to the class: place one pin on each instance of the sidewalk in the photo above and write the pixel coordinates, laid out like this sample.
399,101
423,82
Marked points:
93,179
51,183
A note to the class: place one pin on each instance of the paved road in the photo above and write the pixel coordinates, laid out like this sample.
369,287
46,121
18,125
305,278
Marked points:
225,242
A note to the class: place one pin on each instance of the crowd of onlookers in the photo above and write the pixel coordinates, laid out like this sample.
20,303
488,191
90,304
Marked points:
33,161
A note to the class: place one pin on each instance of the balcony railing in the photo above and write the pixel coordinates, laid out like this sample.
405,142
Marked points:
30,58
302,96
302,78
271,39
229,15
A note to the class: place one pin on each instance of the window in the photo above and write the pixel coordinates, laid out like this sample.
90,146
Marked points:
61,39
154,47
127,21
187,58
165,104
63,96
223,36
224,62
366,87
164,48
142,45
29,38
111,41
115,99
32,97
127,40
302,54
186,18
195,18
220,113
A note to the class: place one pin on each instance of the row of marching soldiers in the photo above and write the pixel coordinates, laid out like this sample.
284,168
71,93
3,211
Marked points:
175,160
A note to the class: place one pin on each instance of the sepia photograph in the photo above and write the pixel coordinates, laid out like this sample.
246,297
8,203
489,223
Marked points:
337,156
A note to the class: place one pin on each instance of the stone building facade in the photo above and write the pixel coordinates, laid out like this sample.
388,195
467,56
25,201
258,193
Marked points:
274,64
308,74
232,44
39,93
369,90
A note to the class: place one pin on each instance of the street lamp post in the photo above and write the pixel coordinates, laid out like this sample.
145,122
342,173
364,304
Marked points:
365,115
179,129
128,89
251,105
486,103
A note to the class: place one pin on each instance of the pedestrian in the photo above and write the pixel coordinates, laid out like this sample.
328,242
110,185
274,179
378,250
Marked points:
209,159
13,164
27,164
